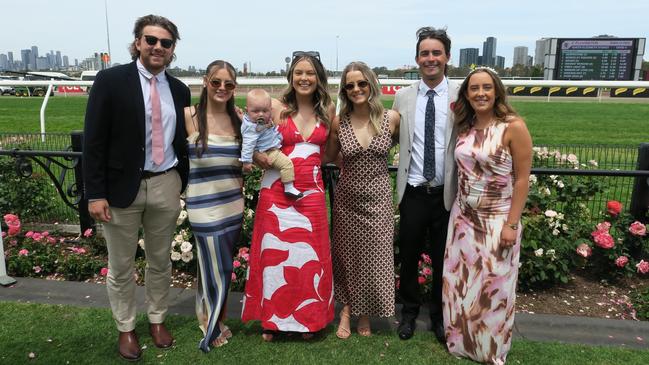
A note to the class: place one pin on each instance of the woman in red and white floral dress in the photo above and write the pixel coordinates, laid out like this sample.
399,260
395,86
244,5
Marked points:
290,285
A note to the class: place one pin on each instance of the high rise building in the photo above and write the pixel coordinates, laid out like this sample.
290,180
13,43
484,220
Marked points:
530,61
468,56
520,56
26,57
542,47
489,52
500,62
33,57
10,56
4,62
59,60
66,62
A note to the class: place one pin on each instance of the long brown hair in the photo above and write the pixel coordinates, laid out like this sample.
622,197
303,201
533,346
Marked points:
321,99
464,113
200,109
374,99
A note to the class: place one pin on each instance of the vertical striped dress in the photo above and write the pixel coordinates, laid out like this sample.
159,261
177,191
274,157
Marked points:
215,211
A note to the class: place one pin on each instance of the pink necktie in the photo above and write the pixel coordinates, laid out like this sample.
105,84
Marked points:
156,124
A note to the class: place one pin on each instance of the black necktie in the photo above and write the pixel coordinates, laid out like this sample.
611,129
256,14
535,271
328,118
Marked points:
429,137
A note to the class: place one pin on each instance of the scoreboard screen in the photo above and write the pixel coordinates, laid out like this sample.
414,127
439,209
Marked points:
595,59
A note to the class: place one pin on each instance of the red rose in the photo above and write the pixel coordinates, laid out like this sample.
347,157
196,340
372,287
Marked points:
614,207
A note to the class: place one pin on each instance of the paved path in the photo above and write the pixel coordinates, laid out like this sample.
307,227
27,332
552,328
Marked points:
535,327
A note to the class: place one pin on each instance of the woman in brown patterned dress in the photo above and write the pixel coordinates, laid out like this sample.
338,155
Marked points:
493,155
363,226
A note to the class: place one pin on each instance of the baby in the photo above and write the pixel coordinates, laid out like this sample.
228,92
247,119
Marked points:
260,134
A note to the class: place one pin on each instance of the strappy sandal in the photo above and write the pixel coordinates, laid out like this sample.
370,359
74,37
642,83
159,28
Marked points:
222,339
364,326
342,332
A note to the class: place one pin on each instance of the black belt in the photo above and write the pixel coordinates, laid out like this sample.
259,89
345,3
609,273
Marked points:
426,189
150,174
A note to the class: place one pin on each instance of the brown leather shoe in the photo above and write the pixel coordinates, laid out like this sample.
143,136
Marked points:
129,347
161,337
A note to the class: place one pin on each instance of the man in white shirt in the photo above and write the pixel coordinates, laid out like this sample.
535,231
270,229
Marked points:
426,184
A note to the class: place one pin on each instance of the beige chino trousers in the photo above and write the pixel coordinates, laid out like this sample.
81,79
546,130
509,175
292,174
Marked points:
155,208
280,161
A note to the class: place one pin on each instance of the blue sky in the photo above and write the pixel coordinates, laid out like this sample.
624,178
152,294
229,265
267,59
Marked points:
380,33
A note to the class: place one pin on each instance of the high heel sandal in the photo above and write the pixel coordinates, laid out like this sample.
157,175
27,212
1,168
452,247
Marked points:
342,332
222,339
364,326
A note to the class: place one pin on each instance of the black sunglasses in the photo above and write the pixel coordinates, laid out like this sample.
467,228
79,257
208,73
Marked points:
361,85
229,85
164,42
314,54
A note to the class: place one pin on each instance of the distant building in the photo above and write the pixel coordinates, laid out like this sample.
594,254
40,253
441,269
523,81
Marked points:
4,62
10,56
59,59
43,63
530,61
500,62
520,56
489,52
66,62
542,48
469,56
25,57
33,57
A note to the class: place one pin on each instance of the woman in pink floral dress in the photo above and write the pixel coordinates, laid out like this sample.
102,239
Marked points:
493,154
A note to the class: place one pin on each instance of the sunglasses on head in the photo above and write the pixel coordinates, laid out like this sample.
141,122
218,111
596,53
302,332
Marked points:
229,85
425,32
164,42
361,85
314,54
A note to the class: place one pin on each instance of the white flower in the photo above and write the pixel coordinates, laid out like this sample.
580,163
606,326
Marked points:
175,256
564,227
141,243
550,213
560,184
560,216
551,253
250,213
593,163
179,238
555,232
573,159
395,159
536,149
185,247
182,204
539,252
181,217
545,191
564,157
187,256
533,179
553,177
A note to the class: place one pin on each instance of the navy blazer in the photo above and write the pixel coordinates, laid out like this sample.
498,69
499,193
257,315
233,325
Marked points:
114,146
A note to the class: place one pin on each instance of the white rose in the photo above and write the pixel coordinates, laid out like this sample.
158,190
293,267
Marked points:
141,243
187,256
573,159
593,163
555,232
551,253
181,217
550,213
182,204
553,177
533,179
175,256
539,252
185,247
564,227
560,184
545,191
179,238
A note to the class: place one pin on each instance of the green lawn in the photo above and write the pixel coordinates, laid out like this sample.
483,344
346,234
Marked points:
63,334
549,123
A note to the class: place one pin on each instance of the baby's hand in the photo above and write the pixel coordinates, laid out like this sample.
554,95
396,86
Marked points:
247,167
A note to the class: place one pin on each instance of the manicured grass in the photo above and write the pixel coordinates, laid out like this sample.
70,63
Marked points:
549,123
62,334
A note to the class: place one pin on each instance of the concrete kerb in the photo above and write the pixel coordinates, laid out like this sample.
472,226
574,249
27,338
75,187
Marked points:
534,327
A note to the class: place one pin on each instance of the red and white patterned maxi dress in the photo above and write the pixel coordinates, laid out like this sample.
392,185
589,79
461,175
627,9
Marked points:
289,285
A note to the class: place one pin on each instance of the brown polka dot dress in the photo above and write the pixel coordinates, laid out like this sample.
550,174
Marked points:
363,225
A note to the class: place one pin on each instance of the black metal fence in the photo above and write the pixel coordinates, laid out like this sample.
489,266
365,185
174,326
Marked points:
609,164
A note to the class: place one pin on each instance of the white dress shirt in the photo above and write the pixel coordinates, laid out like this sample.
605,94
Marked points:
168,119
416,170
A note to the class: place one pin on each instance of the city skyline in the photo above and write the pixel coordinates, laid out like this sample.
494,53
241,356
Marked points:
264,33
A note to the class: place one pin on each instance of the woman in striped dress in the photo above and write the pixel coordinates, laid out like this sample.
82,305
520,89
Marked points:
214,195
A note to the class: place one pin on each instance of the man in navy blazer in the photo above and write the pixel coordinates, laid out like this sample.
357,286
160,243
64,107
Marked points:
135,167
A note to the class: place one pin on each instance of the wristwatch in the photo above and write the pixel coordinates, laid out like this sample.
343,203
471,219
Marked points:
513,226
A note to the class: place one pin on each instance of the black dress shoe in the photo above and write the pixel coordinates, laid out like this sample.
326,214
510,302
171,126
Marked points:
406,329
438,330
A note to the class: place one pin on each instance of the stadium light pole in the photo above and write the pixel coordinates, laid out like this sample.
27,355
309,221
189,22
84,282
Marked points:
337,36
110,55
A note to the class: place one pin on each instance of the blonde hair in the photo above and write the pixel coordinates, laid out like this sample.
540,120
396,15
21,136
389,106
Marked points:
374,99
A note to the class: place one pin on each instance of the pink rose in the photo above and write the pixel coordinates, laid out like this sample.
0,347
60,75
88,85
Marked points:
234,276
604,226
45,233
87,232
604,240
37,269
421,280
638,229
13,230
243,250
23,252
614,207
51,240
621,261
103,271
37,236
29,234
643,267
426,258
427,272
236,264
245,256
11,219
584,250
